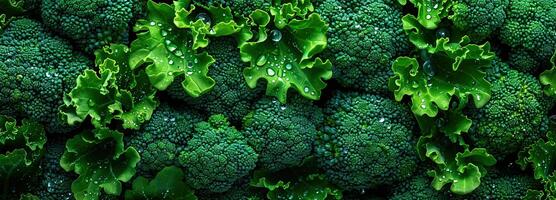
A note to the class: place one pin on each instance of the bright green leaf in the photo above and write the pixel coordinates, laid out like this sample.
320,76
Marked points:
167,185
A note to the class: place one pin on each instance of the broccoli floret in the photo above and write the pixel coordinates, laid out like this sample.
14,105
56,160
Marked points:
36,69
230,96
239,191
91,23
367,141
216,156
417,188
160,140
530,30
503,187
55,183
479,18
240,8
363,38
282,134
514,117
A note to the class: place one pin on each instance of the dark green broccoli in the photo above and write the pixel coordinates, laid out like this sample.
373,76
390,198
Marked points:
230,96
36,69
160,140
503,187
367,141
55,183
216,156
531,32
241,8
91,23
478,18
363,38
417,188
239,191
282,134
515,116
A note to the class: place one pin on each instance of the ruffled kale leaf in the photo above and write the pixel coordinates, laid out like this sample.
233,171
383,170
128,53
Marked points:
281,48
168,184
170,51
102,162
116,92
542,157
21,148
548,78
442,70
204,20
456,163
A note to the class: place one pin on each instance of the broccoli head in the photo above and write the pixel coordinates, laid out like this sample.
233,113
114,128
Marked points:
55,183
515,116
478,18
501,186
282,134
363,38
160,140
417,188
230,96
241,8
367,141
216,156
91,23
36,70
530,29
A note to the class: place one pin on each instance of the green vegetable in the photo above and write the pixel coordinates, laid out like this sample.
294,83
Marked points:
102,162
168,184
281,48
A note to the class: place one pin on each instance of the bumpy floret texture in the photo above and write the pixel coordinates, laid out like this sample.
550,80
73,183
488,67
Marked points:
503,187
90,23
216,156
417,188
282,134
160,140
367,141
515,116
479,18
363,39
240,7
55,183
530,27
36,70
230,96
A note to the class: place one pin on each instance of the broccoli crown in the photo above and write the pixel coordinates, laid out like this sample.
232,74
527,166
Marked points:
282,134
530,26
241,190
230,96
363,38
217,156
367,141
36,70
503,187
241,8
515,116
160,140
417,188
479,19
91,23
55,183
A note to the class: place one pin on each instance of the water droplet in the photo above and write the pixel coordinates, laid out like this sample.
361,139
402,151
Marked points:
168,42
170,62
435,6
153,23
423,106
270,72
179,53
275,35
381,120
442,33
203,17
306,89
163,33
261,61
189,73
289,66
428,17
